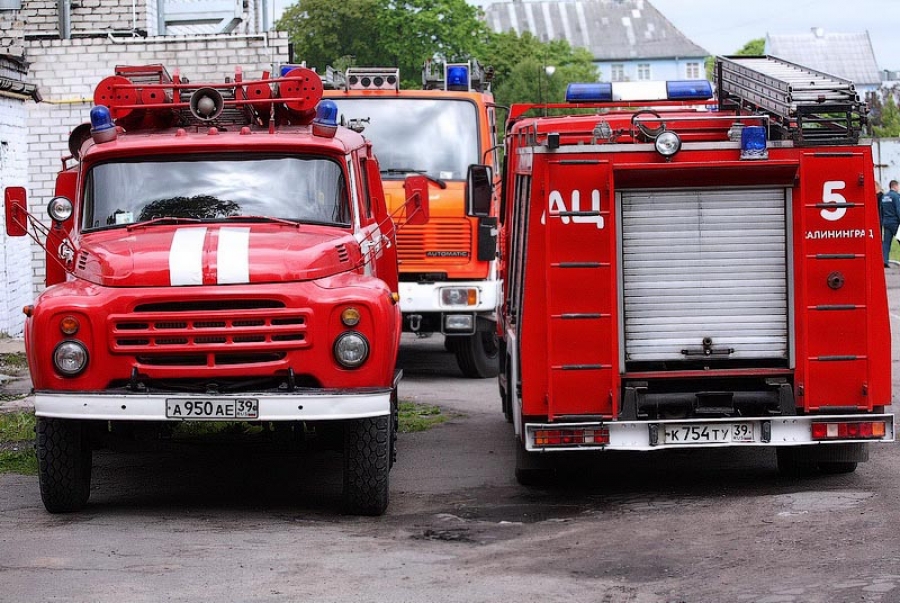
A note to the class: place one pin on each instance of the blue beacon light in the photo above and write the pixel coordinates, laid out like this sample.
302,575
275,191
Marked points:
325,123
102,127
689,90
458,77
753,143
589,93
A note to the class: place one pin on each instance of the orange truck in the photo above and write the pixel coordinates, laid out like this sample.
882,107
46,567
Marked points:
448,266
218,252
692,267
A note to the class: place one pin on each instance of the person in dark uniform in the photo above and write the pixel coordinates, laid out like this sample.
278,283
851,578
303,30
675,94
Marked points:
890,219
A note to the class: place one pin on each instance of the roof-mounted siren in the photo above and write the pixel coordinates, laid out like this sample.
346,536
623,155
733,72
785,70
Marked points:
463,77
207,104
373,78
604,92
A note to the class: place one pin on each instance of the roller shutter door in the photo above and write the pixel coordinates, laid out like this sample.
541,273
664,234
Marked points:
704,274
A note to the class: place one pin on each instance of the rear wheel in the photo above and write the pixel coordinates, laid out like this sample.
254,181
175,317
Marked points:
477,354
533,468
367,451
64,464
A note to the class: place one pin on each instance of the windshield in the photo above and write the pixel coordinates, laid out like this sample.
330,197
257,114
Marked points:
296,188
438,137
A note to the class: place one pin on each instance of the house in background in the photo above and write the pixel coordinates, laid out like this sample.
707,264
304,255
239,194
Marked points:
629,39
846,55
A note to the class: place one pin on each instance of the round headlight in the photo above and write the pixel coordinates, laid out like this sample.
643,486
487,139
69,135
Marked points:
668,143
351,349
70,358
60,209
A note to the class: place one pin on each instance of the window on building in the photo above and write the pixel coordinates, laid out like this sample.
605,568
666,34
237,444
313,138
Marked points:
643,71
692,71
618,72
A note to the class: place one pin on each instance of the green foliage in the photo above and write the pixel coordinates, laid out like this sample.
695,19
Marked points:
521,65
375,33
888,123
406,33
753,48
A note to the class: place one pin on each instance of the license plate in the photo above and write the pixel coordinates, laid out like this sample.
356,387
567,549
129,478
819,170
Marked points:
212,409
716,433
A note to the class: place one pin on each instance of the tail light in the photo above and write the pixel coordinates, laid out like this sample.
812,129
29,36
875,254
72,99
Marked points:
572,436
848,430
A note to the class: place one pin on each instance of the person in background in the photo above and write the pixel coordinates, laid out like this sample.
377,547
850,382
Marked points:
890,219
879,195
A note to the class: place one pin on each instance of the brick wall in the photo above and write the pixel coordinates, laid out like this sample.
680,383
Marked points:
15,269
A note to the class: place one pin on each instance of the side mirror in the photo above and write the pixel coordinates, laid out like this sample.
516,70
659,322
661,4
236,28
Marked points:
15,200
416,189
479,191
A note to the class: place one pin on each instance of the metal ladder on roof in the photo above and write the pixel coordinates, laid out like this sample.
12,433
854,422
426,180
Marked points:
808,106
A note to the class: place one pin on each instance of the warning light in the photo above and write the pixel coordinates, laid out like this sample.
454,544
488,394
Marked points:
102,127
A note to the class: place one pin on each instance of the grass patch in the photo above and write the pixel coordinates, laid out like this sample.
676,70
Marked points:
17,443
22,462
15,362
419,417
17,427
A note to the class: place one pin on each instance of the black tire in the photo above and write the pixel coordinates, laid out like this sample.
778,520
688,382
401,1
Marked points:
478,355
506,400
792,462
64,464
533,469
838,467
367,465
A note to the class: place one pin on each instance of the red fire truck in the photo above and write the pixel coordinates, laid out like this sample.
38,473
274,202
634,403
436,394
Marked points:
684,269
218,252
448,267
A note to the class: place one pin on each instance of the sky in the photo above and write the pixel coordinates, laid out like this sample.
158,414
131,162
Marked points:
724,26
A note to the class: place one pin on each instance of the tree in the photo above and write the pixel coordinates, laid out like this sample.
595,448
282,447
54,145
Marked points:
318,31
391,33
889,119
753,48
521,65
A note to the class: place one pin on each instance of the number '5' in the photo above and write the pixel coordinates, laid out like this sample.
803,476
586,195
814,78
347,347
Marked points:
830,196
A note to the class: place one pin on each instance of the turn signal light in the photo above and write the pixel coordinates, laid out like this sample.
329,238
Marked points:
69,325
589,436
857,430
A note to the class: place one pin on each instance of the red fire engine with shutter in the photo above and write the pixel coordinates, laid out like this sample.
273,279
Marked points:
218,252
688,272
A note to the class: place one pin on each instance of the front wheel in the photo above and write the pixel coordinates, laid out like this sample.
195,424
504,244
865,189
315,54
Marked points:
367,463
64,464
478,354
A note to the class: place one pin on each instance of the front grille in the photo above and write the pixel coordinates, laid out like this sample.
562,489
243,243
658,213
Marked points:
209,332
441,240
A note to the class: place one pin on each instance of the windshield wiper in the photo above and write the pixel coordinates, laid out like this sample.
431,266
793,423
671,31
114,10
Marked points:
438,181
161,220
264,219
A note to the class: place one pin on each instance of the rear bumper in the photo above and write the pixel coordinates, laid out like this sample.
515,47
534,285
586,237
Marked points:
698,433
322,405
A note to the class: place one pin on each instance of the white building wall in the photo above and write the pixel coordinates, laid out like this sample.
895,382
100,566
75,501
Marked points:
15,269
659,69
